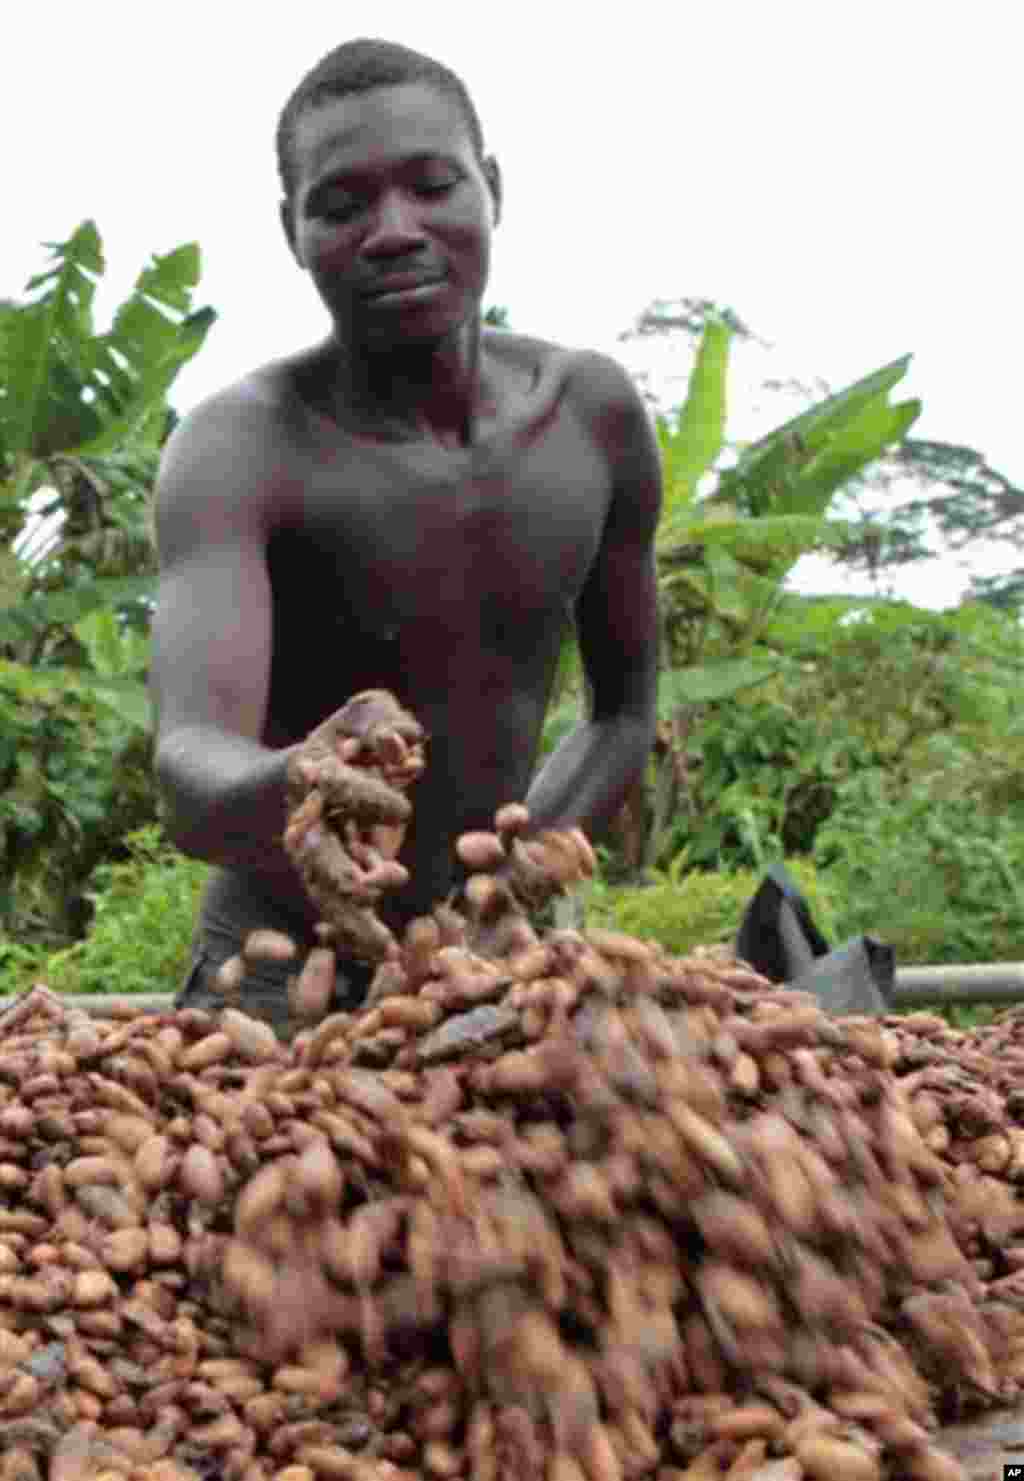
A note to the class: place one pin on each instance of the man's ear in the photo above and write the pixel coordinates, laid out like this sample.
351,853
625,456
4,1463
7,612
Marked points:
492,174
288,226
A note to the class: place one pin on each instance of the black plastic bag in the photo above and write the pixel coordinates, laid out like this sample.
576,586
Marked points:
779,939
856,977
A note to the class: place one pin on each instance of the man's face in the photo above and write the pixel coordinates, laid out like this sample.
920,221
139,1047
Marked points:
388,187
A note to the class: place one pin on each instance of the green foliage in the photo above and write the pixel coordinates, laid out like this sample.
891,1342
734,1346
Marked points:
682,908
760,782
799,467
83,414
74,776
923,868
968,1015
890,746
717,679
865,686
723,558
82,417
67,389
693,441
145,910
911,684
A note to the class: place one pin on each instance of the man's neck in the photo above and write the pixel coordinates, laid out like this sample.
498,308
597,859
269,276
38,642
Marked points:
435,390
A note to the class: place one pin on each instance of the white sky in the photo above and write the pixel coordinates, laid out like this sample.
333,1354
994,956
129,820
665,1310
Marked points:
845,176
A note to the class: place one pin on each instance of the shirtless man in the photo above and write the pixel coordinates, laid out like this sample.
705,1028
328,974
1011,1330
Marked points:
418,504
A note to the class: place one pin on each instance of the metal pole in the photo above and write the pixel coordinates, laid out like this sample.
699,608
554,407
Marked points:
103,1005
988,982
992,982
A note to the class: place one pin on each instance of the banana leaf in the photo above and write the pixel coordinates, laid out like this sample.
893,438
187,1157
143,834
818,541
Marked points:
713,680
690,448
64,388
798,467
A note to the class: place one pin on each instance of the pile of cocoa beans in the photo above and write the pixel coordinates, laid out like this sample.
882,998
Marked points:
550,1206
583,1213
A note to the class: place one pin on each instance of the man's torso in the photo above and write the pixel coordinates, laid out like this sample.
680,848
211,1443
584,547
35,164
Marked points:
447,575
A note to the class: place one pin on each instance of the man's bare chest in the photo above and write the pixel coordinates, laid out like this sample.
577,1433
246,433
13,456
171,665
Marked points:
401,533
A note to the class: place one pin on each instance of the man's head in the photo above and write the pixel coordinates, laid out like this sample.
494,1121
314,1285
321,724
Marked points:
359,67
381,158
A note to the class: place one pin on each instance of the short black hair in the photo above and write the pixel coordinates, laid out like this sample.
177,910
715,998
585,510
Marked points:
359,67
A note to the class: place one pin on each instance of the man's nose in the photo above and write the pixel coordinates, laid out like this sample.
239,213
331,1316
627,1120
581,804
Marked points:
395,226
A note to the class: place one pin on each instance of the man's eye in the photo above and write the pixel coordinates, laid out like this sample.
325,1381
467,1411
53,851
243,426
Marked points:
347,207
435,187
338,208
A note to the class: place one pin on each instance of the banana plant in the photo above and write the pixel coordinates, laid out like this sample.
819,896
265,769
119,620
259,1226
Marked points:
66,389
724,555
82,417
724,552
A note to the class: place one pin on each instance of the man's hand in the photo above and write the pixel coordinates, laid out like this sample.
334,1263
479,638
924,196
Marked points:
533,866
360,760
347,814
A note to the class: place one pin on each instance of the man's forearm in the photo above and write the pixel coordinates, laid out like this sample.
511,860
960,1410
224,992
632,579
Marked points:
225,798
587,779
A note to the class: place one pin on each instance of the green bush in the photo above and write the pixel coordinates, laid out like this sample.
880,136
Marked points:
890,749
145,910
764,776
927,867
927,699
75,779
682,910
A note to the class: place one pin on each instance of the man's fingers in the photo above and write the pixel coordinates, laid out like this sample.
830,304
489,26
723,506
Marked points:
388,874
367,799
373,709
480,851
387,839
511,820
349,789
304,820
585,851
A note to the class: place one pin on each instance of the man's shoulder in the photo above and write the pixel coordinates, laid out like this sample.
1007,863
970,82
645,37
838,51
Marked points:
254,414
227,452
608,402
602,384
607,399
261,394
594,382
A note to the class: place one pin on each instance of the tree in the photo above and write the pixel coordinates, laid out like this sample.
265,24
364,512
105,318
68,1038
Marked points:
953,500
671,318
919,500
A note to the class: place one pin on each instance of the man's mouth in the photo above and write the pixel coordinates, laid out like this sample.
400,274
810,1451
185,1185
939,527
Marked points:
404,287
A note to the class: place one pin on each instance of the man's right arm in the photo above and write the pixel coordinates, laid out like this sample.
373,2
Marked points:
215,506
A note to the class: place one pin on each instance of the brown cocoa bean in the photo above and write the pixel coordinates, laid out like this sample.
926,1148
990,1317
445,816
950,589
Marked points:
269,946
200,1175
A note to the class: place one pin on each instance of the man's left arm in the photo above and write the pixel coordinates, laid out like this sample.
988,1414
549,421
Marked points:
589,776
